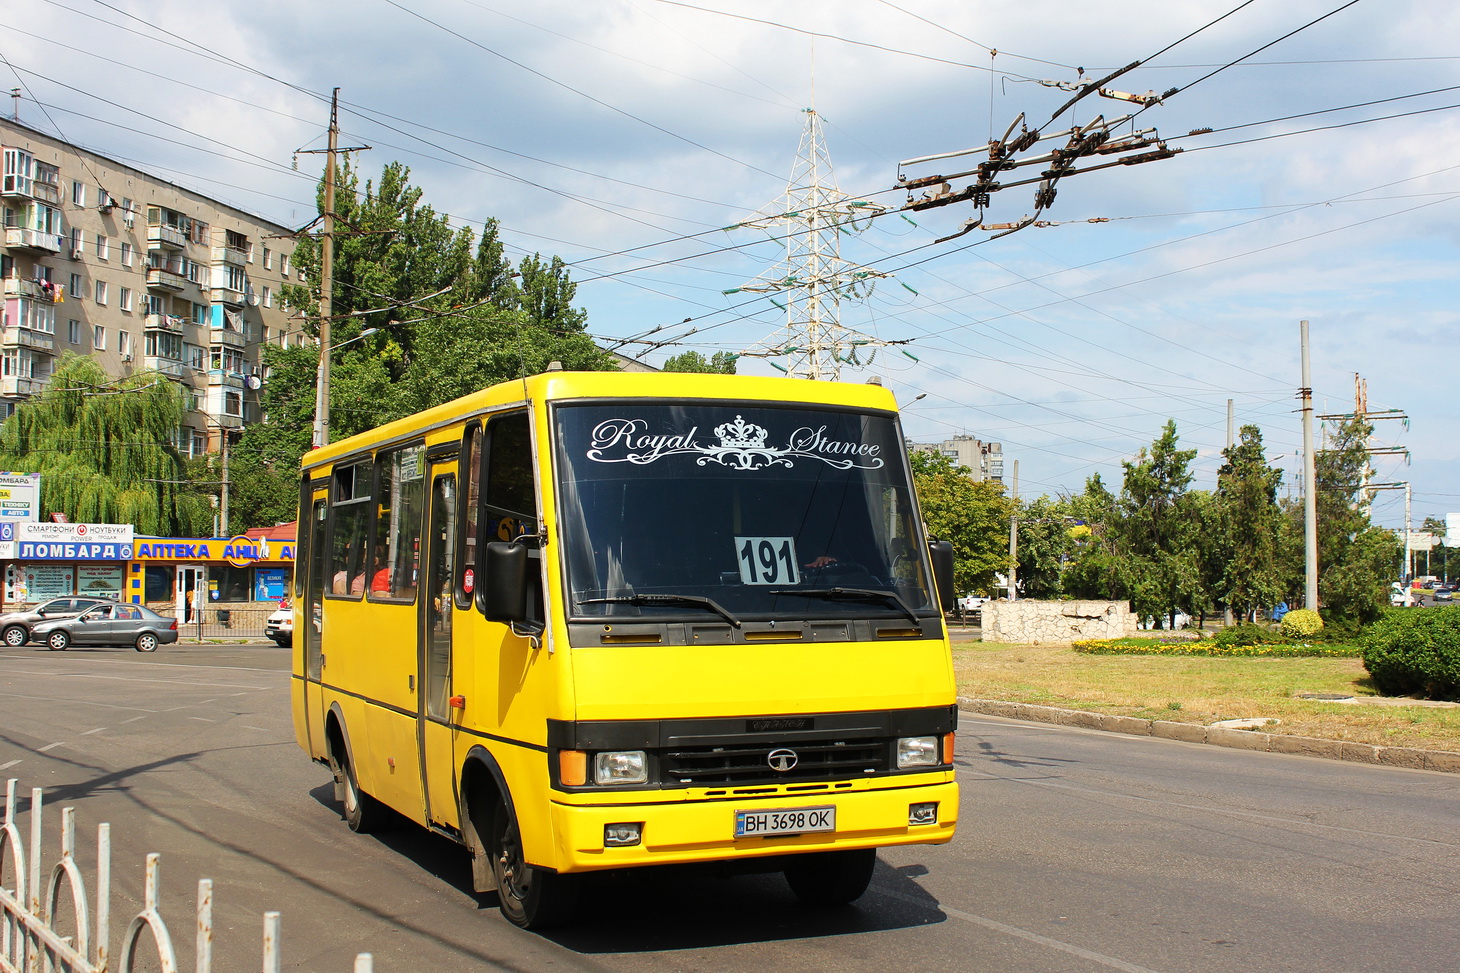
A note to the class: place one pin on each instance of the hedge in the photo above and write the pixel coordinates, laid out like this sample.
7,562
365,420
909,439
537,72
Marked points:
1415,652
1210,647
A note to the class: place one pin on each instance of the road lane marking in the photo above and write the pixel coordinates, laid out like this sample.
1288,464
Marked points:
201,718
1024,934
7,766
90,732
136,718
49,747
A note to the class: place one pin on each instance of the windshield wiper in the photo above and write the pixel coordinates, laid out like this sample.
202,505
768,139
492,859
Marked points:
835,593
709,603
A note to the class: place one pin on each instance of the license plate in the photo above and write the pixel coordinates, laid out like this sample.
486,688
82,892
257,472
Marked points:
794,820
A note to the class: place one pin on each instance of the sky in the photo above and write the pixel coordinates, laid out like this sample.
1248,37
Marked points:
634,138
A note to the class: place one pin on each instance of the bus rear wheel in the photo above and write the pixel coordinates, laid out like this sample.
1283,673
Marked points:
362,812
528,897
831,877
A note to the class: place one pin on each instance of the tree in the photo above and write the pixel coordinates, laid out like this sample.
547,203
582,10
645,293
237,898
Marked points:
1045,546
972,515
722,363
105,450
451,316
1250,526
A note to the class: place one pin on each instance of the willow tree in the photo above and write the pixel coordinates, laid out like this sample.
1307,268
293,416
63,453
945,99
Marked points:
105,450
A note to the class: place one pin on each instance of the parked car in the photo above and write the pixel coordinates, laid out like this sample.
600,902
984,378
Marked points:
280,626
1442,592
15,626
108,623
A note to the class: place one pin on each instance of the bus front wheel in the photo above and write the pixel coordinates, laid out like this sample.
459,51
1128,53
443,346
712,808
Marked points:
831,877
528,897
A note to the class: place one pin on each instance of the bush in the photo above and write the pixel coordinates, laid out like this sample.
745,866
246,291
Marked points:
1301,622
1246,634
1415,652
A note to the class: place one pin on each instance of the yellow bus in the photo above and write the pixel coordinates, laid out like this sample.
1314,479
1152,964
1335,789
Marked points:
591,621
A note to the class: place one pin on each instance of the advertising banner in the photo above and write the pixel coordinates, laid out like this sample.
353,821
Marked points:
99,580
20,497
44,581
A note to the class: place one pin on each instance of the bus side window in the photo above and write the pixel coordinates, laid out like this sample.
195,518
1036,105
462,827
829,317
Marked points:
509,499
349,519
400,500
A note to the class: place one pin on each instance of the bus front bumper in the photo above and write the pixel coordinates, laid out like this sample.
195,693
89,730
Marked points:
704,830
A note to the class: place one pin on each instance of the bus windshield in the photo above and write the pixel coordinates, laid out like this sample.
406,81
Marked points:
737,511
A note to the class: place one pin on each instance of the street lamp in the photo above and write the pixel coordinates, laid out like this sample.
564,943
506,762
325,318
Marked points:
322,391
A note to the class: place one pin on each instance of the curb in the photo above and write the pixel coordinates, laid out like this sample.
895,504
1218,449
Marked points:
1442,761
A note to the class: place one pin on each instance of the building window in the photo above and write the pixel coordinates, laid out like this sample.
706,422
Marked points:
195,357
103,247
200,314
284,264
126,254
78,192
124,344
128,212
268,259
233,404
73,331
101,292
268,296
98,338
77,245
76,291
124,299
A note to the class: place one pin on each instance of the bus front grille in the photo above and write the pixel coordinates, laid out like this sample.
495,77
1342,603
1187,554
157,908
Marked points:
756,763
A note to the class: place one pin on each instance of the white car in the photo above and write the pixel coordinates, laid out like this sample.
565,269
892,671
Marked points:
280,627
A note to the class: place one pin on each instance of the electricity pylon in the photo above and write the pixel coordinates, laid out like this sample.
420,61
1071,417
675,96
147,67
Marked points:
814,279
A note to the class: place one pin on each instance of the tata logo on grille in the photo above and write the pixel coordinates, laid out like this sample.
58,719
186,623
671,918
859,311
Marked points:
781,760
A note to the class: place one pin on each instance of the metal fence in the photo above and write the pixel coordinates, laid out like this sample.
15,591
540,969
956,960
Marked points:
29,941
227,621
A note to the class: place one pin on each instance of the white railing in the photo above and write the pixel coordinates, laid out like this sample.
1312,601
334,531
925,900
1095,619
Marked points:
28,941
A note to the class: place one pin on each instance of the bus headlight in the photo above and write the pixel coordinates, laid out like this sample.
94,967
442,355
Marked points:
620,767
917,752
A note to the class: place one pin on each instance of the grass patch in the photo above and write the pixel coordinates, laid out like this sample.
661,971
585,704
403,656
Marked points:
1209,647
1205,689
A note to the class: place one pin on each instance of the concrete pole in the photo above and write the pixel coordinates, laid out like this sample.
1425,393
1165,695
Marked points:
326,283
1227,611
1310,483
1014,539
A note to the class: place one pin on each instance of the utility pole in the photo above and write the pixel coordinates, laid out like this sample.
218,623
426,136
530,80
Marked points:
1227,610
1014,538
326,282
1310,482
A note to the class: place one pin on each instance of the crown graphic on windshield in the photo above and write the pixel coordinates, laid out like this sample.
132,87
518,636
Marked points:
741,434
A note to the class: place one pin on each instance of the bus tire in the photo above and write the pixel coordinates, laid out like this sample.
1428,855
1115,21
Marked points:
527,897
831,877
361,812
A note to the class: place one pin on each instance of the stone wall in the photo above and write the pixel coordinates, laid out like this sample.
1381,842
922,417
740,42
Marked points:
1032,622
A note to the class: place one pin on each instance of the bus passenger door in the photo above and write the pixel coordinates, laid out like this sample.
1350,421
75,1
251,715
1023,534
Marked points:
437,716
308,614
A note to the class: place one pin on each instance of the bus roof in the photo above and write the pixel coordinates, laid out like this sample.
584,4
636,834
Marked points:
563,385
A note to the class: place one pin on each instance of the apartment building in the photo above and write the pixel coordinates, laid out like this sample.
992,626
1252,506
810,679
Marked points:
106,260
985,461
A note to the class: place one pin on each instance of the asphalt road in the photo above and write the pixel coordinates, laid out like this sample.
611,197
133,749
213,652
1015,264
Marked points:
1077,851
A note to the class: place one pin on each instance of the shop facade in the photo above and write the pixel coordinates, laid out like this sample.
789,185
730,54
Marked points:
190,577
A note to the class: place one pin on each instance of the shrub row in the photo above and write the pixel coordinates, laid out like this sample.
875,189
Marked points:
1283,649
1415,652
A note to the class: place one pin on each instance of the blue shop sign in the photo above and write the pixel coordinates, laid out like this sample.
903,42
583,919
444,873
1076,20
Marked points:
71,551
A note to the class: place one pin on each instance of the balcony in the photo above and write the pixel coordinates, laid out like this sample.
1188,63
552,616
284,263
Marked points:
164,322
162,279
46,192
17,337
170,367
166,235
230,256
27,288
226,295
232,380
12,385
27,240
227,337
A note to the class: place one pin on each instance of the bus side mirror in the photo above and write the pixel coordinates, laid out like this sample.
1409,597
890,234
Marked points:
942,554
503,591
